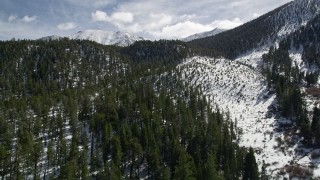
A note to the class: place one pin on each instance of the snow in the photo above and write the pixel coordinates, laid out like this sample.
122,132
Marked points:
295,15
50,38
253,58
238,88
107,37
297,60
203,35
296,57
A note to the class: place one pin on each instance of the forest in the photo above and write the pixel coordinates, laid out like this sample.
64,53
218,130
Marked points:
287,79
75,109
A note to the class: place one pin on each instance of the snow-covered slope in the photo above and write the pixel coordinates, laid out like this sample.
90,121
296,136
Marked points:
238,87
203,35
107,37
294,15
265,31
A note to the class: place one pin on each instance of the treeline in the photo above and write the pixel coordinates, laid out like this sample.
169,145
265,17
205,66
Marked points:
157,52
79,110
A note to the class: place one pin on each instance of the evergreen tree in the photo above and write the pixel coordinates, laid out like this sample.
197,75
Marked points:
211,168
250,167
185,169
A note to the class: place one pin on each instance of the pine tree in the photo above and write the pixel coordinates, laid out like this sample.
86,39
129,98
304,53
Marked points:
315,125
185,169
211,168
165,174
250,167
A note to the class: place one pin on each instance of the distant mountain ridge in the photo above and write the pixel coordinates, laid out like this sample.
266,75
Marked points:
203,35
107,37
50,38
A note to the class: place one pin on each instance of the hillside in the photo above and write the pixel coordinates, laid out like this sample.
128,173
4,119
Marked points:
76,109
271,85
237,104
263,31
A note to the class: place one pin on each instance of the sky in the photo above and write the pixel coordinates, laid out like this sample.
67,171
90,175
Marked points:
152,19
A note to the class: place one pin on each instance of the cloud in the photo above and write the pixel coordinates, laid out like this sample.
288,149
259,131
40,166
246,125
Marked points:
150,19
100,16
28,19
227,24
92,3
182,29
115,18
125,17
255,15
24,19
67,26
157,21
12,18
187,28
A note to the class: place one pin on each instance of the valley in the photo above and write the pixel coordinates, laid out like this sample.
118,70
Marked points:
241,103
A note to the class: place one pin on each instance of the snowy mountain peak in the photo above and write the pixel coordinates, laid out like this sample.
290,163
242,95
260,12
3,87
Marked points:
203,35
107,37
49,38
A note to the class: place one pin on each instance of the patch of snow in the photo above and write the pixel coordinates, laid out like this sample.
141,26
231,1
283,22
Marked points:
238,88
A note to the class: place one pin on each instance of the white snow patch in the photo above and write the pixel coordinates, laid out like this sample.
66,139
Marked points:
239,88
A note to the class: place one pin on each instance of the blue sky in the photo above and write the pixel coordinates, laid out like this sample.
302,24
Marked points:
153,19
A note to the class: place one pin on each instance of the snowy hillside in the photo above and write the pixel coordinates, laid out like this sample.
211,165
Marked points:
107,37
264,31
294,15
240,89
203,35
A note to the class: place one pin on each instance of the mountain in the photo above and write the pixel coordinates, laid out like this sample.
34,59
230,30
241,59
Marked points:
203,35
263,31
51,38
166,109
107,37
105,112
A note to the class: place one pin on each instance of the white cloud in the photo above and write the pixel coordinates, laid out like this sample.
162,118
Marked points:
93,3
12,18
255,15
115,18
226,24
157,21
25,19
187,28
28,19
182,29
100,16
145,18
125,17
67,26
